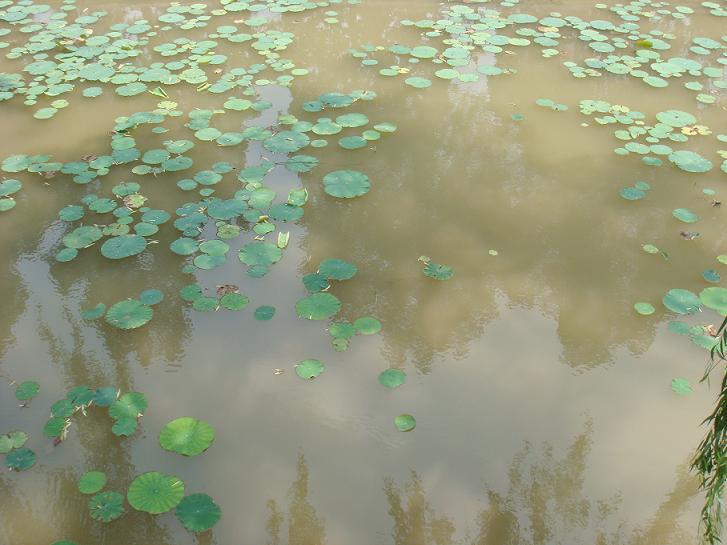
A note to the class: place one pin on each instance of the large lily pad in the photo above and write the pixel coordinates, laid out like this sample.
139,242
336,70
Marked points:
155,492
337,269
681,301
106,506
123,246
129,314
20,459
346,184
715,298
198,512
318,306
187,436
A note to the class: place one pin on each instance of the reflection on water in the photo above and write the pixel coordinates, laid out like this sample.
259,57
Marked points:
545,504
503,361
304,525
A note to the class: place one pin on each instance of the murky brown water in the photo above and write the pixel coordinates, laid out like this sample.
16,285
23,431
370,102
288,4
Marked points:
543,403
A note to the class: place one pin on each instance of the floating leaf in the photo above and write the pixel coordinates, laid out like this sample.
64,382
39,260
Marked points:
715,298
27,390
124,427
337,269
198,512
710,275
644,309
129,314
14,439
123,246
346,184
151,297
318,306
309,369
392,378
155,492
687,216
681,301
129,405
437,271
91,482
106,506
367,325
234,301
20,459
187,436
681,386
405,422
264,313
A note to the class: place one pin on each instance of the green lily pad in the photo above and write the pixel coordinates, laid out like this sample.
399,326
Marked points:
123,246
8,187
676,118
129,314
681,301
645,309
151,297
346,184
129,405
106,506
687,216
710,275
337,269
14,439
20,459
27,390
234,301
125,427
187,436
405,422
198,512
367,325
632,193
261,254
392,378
715,298
82,237
690,161
91,482
681,386
352,142
155,492
318,306
264,313
437,271
309,369
418,82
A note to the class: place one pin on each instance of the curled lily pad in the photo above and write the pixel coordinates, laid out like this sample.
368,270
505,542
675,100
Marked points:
129,314
392,378
106,506
318,306
346,184
198,512
309,369
187,436
91,482
155,492
405,422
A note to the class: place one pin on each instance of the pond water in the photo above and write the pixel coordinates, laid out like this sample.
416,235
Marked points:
546,407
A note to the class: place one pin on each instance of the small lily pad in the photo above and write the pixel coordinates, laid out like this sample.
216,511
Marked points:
198,512
309,369
27,390
392,378
681,386
187,436
155,492
91,482
106,506
645,309
405,422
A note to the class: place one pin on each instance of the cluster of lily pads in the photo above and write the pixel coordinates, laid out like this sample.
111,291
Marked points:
125,410
17,457
67,50
129,313
470,34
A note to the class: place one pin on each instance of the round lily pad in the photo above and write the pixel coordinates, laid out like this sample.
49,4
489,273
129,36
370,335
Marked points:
644,308
405,422
337,269
687,216
187,436
690,161
346,184
715,298
352,142
309,369
151,297
91,482
367,325
437,271
20,459
155,492
318,306
129,314
106,506
123,246
681,301
234,301
27,390
264,313
392,378
198,512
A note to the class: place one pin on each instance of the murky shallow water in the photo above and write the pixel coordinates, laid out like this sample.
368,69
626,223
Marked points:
542,400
